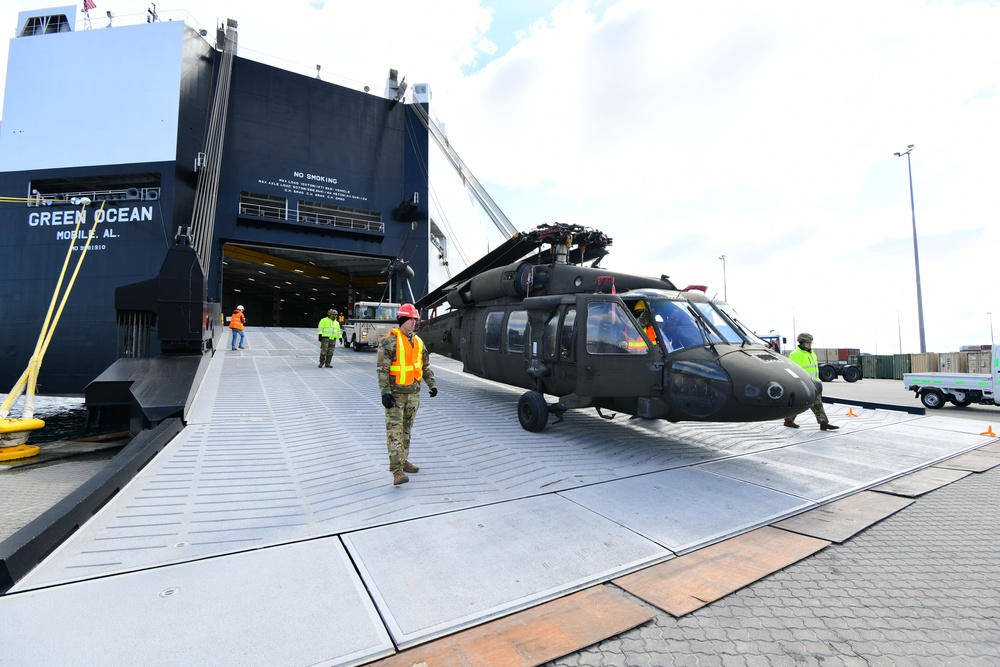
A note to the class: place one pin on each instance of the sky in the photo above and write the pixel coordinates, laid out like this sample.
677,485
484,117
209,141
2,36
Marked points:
764,132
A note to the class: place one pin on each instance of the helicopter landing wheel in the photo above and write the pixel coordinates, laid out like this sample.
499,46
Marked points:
532,411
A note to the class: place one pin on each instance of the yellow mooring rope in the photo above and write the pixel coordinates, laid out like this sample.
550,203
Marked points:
14,432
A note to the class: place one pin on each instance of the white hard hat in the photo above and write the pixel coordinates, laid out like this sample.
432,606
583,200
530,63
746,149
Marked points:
239,307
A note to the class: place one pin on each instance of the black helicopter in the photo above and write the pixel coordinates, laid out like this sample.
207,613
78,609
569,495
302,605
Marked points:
605,339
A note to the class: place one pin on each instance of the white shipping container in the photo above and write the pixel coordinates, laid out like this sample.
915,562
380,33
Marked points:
952,362
924,362
979,362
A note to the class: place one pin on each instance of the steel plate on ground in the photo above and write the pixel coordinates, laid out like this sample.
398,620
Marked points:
433,576
844,518
922,481
300,604
688,508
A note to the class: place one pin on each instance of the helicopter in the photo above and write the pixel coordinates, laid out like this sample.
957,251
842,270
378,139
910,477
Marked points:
530,314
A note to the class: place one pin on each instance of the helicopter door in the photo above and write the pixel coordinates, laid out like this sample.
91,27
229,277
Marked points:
614,357
559,350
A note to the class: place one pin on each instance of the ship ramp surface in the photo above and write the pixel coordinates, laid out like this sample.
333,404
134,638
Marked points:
269,532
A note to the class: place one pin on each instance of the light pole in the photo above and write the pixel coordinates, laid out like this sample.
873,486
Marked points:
725,293
916,255
991,328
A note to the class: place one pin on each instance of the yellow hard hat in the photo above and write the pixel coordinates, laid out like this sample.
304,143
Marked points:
640,305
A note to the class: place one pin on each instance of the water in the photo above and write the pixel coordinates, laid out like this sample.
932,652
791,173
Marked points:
65,417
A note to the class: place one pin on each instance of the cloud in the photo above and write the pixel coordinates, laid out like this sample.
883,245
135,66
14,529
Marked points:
764,131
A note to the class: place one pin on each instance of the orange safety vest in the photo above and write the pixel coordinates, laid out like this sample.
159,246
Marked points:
237,320
651,333
408,366
637,345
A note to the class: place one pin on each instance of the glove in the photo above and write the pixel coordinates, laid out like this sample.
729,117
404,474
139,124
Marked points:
388,401
321,338
434,392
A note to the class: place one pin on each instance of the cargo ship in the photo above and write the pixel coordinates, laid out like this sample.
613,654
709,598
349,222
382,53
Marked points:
203,181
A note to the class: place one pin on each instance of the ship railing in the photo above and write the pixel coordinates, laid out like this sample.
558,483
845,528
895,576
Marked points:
311,218
126,194
261,211
101,20
342,222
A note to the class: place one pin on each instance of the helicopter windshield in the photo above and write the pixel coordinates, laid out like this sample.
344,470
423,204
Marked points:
679,326
726,327
751,337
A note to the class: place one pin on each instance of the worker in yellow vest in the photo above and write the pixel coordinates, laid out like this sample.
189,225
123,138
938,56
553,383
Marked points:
329,332
401,365
804,356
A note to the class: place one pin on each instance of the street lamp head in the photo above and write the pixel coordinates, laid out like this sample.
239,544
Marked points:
909,147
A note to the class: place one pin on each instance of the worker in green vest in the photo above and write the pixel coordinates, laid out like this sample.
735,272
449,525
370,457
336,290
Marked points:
806,358
329,332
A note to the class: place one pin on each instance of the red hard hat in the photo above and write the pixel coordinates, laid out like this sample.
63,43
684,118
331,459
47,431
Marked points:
407,310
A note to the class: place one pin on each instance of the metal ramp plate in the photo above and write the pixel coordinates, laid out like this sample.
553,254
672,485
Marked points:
688,508
437,575
278,454
301,604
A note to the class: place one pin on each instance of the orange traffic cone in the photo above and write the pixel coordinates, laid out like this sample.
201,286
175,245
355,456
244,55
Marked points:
989,432
850,413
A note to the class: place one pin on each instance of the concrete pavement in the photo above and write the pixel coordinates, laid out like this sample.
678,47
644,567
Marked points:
920,588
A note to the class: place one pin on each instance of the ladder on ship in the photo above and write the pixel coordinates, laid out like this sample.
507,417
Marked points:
210,160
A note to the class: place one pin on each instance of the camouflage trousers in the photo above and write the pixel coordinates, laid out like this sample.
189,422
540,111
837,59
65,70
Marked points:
326,350
398,422
817,408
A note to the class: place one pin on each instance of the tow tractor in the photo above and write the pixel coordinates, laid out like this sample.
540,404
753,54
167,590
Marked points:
961,389
368,323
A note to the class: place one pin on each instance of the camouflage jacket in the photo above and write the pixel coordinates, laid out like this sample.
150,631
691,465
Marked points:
386,355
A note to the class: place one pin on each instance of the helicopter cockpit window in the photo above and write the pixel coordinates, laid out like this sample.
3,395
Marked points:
610,331
719,322
677,325
771,341
491,333
567,337
517,323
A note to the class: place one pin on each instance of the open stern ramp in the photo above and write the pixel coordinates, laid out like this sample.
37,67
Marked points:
275,502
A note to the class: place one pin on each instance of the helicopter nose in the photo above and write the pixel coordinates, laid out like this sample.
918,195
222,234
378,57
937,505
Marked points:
741,386
769,381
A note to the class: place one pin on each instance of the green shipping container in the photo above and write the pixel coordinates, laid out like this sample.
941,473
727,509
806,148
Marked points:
878,366
900,365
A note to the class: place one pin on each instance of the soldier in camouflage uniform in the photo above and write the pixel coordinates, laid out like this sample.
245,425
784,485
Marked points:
402,363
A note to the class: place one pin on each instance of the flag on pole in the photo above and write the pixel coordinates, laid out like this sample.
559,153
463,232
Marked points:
88,5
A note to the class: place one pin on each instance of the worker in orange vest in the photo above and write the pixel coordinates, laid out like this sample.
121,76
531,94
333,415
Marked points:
403,362
236,322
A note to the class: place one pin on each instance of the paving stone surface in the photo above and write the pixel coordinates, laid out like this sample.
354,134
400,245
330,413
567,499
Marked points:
920,588
27,492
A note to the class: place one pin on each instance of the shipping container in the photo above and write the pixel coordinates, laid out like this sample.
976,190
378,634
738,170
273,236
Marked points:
900,365
925,362
844,352
953,362
825,354
979,362
878,366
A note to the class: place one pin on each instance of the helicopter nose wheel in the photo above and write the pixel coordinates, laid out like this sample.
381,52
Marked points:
532,411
